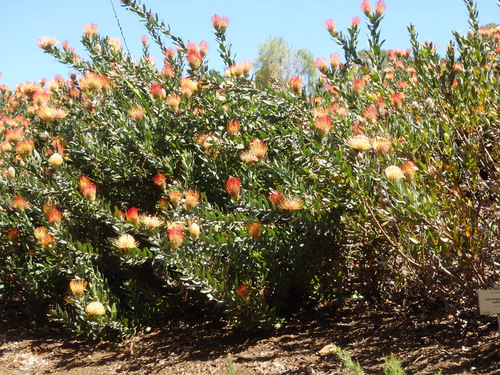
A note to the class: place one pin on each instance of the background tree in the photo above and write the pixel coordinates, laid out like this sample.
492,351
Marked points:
277,60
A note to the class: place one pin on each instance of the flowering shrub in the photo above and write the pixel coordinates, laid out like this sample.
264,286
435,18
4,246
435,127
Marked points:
131,192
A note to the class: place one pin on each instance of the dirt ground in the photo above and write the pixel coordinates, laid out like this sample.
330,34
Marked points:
425,342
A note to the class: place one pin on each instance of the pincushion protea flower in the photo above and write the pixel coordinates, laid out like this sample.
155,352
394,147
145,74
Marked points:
393,173
295,84
192,199
90,30
276,197
20,204
94,309
50,114
359,142
176,236
243,291
56,160
89,192
381,145
40,232
160,180
409,168
322,125
194,231
175,198
255,230
125,241
233,127
77,286
321,65
291,204
173,101
380,8
14,135
366,8
157,91
54,217
233,188
13,235
330,26
133,216
25,148
136,113
151,221
220,23
45,42
194,59
258,148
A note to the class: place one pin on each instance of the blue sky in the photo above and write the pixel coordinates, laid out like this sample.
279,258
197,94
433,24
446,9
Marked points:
300,23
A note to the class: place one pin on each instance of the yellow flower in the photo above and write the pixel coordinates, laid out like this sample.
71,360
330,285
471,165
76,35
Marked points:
125,241
359,142
393,173
95,308
77,286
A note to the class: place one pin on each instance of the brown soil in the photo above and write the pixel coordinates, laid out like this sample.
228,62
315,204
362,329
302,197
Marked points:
425,343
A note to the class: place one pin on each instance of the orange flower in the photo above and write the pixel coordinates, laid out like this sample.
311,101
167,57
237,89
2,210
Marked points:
40,233
89,192
176,236
233,127
296,84
14,135
276,197
56,160
370,114
192,199
255,230
77,286
20,204
258,148
233,188
158,91
92,82
321,65
50,114
125,241
335,61
54,217
409,168
291,204
133,216
323,125
357,86
175,197
13,235
194,59
243,291
25,148
136,113
188,87
160,180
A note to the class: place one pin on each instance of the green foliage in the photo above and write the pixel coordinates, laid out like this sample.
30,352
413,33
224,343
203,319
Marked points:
393,366
179,189
351,364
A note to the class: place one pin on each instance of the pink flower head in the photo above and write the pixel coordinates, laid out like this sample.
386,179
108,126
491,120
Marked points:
330,26
203,48
144,39
169,53
158,91
380,8
321,65
160,180
90,30
355,22
366,8
335,61
220,23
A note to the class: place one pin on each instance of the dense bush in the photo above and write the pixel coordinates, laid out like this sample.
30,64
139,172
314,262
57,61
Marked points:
132,193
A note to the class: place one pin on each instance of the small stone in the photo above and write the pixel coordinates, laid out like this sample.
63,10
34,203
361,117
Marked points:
330,349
